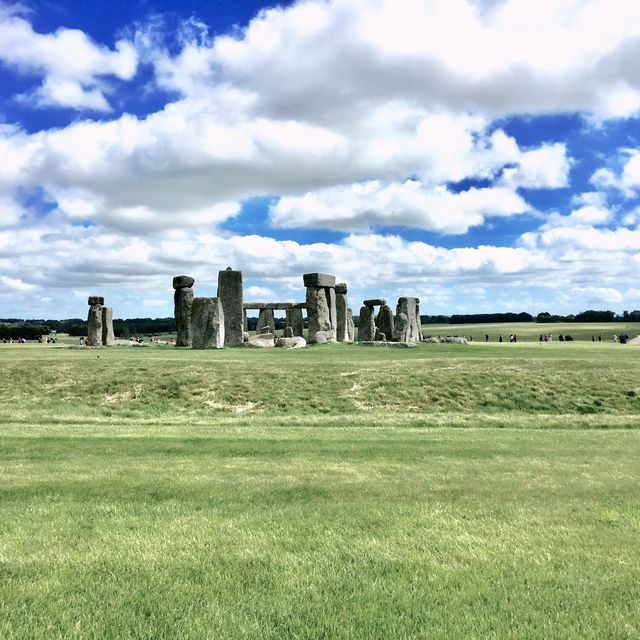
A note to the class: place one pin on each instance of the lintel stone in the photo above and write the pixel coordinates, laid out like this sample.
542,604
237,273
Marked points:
95,300
318,280
278,306
182,282
374,302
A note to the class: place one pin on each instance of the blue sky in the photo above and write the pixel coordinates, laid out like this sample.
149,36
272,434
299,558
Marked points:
482,155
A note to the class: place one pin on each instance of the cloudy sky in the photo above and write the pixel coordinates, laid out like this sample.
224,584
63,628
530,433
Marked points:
481,154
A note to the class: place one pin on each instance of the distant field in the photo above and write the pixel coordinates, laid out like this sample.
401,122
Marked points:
448,491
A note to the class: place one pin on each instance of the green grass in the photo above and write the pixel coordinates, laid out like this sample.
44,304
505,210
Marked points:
481,491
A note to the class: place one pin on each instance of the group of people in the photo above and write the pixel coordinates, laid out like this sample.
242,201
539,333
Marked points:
512,338
623,338
17,340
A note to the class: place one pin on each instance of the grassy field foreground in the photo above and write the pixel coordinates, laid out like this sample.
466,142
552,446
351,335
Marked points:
325,493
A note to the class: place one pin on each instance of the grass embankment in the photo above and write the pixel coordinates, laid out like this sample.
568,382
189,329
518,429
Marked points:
160,493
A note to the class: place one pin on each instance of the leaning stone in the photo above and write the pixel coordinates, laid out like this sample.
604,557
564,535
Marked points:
94,326
183,302
297,342
367,325
108,337
180,282
317,312
95,300
318,280
230,294
384,321
288,332
207,323
374,302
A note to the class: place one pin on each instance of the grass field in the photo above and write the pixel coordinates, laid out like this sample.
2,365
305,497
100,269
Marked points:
449,491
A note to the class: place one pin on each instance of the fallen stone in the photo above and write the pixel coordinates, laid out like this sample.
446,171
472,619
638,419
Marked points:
261,341
432,339
374,302
390,345
180,282
207,323
634,341
297,342
318,280
454,340
324,337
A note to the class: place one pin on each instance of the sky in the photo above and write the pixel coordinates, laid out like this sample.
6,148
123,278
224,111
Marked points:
483,155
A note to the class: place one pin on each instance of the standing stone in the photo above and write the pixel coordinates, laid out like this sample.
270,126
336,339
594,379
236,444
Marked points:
44,339
245,322
367,326
288,332
410,307
342,312
401,328
295,321
384,321
183,300
330,292
108,337
318,313
351,326
230,294
94,325
207,323
265,319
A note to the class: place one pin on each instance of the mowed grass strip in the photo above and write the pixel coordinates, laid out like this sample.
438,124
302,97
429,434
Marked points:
333,533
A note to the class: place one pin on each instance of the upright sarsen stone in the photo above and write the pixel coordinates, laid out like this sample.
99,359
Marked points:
342,312
108,337
265,319
410,307
295,321
384,321
183,301
94,323
207,323
367,325
230,294
318,313
351,327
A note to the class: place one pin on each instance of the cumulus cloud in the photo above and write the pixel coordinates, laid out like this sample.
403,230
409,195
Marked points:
71,65
626,180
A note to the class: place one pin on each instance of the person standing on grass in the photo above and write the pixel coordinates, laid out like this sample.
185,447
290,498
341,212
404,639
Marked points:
486,337
500,338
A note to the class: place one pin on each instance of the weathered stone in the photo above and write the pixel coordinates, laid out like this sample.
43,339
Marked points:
44,339
207,323
265,319
299,305
295,321
374,302
384,321
318,313
278,306
245,322
342,312
94,326
108,337
410,307
318,280
95,300
351,327
341,287
264,330
180,282
330,292
454,340
367,325
380,337
401,328
433,339
390,345
261,341
230,294
183,301
297,342
288,332
245,336
323,337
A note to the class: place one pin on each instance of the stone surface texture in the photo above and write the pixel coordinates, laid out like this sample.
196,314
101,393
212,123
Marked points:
318,280
180,282
342,312
108,337
297,342
374,302
94,326
367,325
288,332
265,319
351,326
230,294
183,301
95,300
330,292
384,321
401,328
390,345
411,308
324,337
261,341
341,287
207,323
318,313
295,321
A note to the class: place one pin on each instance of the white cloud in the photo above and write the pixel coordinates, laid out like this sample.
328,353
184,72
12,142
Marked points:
627,179
544,168
360,206
70,64
259,292
598,294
